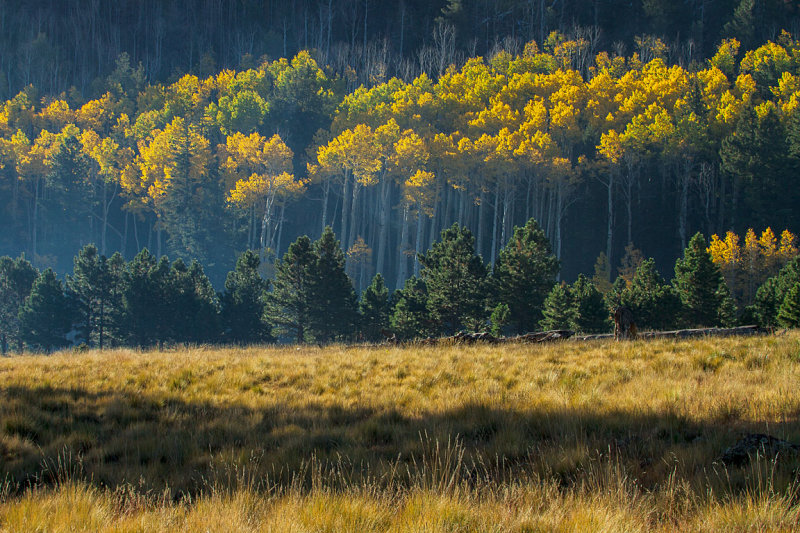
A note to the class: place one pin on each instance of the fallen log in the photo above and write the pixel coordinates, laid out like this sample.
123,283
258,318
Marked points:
563,334
741,331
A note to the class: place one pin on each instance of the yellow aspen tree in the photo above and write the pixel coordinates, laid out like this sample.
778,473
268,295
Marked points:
788,246
769,252
752,270
262,170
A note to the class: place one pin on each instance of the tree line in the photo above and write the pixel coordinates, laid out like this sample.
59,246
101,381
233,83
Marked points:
606,150
310,298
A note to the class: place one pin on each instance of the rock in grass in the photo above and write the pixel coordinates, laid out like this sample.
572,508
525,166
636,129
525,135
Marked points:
756,443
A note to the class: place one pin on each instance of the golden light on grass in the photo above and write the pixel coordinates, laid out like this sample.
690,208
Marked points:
572,436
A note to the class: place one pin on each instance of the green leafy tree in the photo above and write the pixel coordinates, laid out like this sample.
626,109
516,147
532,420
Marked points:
375,309
244,303
93,289
789,314
410,316
559,309
290,301
16,280
456,281
592,315
705,297
334,309
524,274
46,316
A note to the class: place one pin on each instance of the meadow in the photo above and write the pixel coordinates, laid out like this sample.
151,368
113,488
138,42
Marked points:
570,436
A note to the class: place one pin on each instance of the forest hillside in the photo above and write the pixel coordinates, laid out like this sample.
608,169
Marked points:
610,131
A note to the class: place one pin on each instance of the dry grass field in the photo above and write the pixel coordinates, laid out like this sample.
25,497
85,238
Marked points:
594,436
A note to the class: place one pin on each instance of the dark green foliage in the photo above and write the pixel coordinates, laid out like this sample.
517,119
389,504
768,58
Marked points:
67,206
456,281
94,289
374,310
789,314
655,303
334,308
559,309
772,293
410,317
701,288
289,303
194,308
501,316
524,274
754,155
147,300
16,279
46,316
592,313
244,302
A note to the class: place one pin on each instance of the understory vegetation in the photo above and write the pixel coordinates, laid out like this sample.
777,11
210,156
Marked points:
570,436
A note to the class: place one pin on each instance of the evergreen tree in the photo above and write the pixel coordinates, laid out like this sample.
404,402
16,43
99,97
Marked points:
789,314
68,205
289,304
410,316
147,300
524,274
654,303
374,309
193,305
592,313
244,303
46,316
501,316
16,279
456,281
91,289
701,287
559,309
773,291
617,294
334,307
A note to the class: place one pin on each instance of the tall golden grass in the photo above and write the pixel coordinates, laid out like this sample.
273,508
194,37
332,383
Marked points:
596,436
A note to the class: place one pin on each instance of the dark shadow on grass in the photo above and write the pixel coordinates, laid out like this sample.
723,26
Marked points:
114,438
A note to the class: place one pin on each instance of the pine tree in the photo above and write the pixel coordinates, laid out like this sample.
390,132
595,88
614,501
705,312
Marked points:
244,302
194,308
559,309
524,274
602,274
456,281
773,291
592,313
654,303
334,308
410,317
92,291
16,279
374,309
501,316
147,299
701,287
289,304
789,314
46,316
